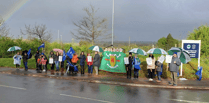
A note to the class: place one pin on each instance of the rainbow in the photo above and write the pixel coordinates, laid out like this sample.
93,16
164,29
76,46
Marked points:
16,6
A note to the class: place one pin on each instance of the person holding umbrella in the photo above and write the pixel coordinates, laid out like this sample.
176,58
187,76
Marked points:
82,62
173,68
56,60
96,62
17,60
151,68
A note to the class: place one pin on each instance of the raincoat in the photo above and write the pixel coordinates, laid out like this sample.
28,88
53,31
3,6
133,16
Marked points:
136,63
74,59
17,59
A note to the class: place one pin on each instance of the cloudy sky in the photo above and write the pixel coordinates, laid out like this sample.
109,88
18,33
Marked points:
142,20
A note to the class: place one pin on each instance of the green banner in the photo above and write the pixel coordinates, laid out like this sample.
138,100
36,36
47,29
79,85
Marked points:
113,62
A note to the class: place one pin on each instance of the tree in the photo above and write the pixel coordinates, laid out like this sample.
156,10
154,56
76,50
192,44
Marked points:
161,43
167,43
201,33
4,31
38,31
91,28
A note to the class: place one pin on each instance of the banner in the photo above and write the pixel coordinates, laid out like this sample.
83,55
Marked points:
113,62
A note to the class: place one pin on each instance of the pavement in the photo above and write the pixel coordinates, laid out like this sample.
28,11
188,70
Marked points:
16,88
114,80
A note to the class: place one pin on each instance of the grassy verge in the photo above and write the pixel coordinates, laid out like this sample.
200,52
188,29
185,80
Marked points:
189,69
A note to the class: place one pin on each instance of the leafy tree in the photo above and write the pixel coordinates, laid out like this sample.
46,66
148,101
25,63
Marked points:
161,43
91,28
201,33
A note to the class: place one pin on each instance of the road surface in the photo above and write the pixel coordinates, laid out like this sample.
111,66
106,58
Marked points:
24,89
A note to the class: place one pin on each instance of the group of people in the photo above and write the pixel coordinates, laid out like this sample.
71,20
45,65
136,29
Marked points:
42,62
155,66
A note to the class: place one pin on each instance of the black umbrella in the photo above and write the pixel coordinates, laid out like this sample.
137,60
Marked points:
26,51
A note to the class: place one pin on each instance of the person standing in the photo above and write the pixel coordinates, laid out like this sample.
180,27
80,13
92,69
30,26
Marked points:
43,62
89,61
158,70
151,68
96,62
56,60
17,60
82,62
62,65
36,58
136,63
39,70
52,56
129,66
25,61
173,68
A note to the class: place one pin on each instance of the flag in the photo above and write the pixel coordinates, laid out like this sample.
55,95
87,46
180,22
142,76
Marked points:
70,52
29,53
64,56
42,46
75,67
199,73
113,62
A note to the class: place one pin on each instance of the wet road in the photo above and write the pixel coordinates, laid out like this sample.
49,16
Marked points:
23,89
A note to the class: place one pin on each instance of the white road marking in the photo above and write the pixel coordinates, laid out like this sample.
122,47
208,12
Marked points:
86,98
12,87
178,100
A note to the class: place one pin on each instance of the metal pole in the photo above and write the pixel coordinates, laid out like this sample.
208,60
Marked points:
112,22
61,40
58,36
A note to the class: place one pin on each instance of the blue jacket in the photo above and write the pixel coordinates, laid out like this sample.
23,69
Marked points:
82,59
136,63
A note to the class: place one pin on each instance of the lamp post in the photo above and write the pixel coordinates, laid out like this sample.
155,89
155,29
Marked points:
112,22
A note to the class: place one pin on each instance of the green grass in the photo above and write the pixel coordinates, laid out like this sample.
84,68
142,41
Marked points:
189,69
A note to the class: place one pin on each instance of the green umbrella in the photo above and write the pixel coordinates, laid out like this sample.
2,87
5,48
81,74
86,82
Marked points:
157,51
14,48
96,48
182,54
138,51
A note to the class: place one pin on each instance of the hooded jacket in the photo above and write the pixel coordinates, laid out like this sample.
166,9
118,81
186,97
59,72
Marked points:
136,63
174,67
82,59
74,59
17,59
89,63
96,61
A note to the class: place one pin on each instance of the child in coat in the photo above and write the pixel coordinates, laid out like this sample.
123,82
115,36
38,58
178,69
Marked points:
89,61
43,62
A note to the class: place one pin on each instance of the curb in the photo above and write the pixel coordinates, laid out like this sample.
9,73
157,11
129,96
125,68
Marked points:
150,86
114,83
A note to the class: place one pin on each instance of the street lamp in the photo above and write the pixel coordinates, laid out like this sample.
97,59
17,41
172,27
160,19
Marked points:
112,22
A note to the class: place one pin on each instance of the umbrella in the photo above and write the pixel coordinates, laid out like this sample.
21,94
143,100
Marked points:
58,50
157,51
26,51
182,54
14,48
96,48
138,51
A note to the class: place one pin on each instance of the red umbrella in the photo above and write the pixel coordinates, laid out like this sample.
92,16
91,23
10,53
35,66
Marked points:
58,50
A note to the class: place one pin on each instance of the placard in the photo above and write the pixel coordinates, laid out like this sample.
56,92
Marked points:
60,58
149,61
50,60
89,58
168,58
126,61
161,59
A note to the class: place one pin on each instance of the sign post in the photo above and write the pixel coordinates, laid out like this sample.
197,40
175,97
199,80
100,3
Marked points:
193,47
